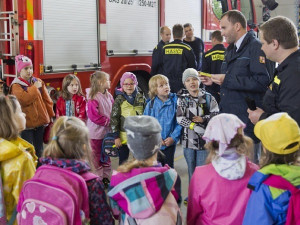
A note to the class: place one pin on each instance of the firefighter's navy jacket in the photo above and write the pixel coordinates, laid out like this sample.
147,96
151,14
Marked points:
211,63
156,67
284,92
198,48
177,57
246,76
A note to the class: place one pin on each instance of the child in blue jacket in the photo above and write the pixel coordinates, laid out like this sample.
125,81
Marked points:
280,137
163,106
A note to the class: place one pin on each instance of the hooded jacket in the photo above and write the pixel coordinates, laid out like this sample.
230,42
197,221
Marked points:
79,107
98,111
122,108
187,108
268,205
100,212
149,194
35,102
18,163
165,113
216,198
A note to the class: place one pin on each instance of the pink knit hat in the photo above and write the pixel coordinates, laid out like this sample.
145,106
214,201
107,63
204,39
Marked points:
128,75
222,128
22,61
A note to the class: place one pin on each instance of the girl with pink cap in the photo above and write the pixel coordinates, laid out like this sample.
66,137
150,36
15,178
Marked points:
218,191
129,101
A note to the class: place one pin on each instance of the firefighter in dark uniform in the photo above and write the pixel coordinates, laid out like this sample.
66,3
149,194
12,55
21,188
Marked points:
212,62
176,57
283,94
165,34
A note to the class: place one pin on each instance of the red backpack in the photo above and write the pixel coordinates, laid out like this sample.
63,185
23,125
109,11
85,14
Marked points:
293,215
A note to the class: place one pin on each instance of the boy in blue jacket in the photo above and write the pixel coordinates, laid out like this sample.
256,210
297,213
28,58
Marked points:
163,106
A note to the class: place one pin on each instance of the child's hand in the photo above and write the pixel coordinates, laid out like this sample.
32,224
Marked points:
38,84
197,119
118,142
163,142
169,141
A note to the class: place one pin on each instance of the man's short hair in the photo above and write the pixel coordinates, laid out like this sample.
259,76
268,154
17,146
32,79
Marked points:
235,16
177,31
281,29
217,35
162,29
187,25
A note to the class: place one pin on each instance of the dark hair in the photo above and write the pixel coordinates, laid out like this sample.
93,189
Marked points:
235,16
66,82
281,29
187,25
273,158
217,35
177,31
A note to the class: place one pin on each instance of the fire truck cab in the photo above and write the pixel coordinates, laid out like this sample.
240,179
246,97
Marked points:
116,36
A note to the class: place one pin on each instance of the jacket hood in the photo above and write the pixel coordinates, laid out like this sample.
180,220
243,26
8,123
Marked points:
18,81
76,166
288,172
88,93
230,169
13,148
142,191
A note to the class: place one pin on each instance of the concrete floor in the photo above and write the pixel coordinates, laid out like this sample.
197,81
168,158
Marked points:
181,168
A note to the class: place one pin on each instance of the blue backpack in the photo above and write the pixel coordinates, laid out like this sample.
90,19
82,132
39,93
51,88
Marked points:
108,147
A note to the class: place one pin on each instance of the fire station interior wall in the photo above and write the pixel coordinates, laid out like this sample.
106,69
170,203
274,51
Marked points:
287,8
187,11
70,33
132,25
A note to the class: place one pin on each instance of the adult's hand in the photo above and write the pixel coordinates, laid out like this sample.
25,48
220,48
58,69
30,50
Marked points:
218,78
254,115
206,80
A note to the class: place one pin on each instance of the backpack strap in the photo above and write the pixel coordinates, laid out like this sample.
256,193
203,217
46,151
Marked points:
87,176
281,183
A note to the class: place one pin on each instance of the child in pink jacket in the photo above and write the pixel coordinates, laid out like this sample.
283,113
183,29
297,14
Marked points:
99,107
218,192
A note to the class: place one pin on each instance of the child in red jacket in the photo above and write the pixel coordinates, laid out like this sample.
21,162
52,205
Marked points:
72,102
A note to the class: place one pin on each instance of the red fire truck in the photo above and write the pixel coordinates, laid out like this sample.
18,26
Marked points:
75,36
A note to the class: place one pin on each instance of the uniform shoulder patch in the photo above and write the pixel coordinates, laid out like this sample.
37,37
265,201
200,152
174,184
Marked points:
262,59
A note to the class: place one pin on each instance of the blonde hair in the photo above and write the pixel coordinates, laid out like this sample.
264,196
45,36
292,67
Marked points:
132,164
95,87
8,126
273,158
242,143
69,139
66,82
153,84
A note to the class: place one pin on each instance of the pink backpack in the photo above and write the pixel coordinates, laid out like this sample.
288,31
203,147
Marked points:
54,196
293,215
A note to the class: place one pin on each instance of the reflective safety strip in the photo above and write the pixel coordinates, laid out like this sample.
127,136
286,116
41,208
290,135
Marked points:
30,30
177,45
37,30
276,80
213,52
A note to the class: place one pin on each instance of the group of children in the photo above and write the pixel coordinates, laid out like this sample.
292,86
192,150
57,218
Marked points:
147,188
